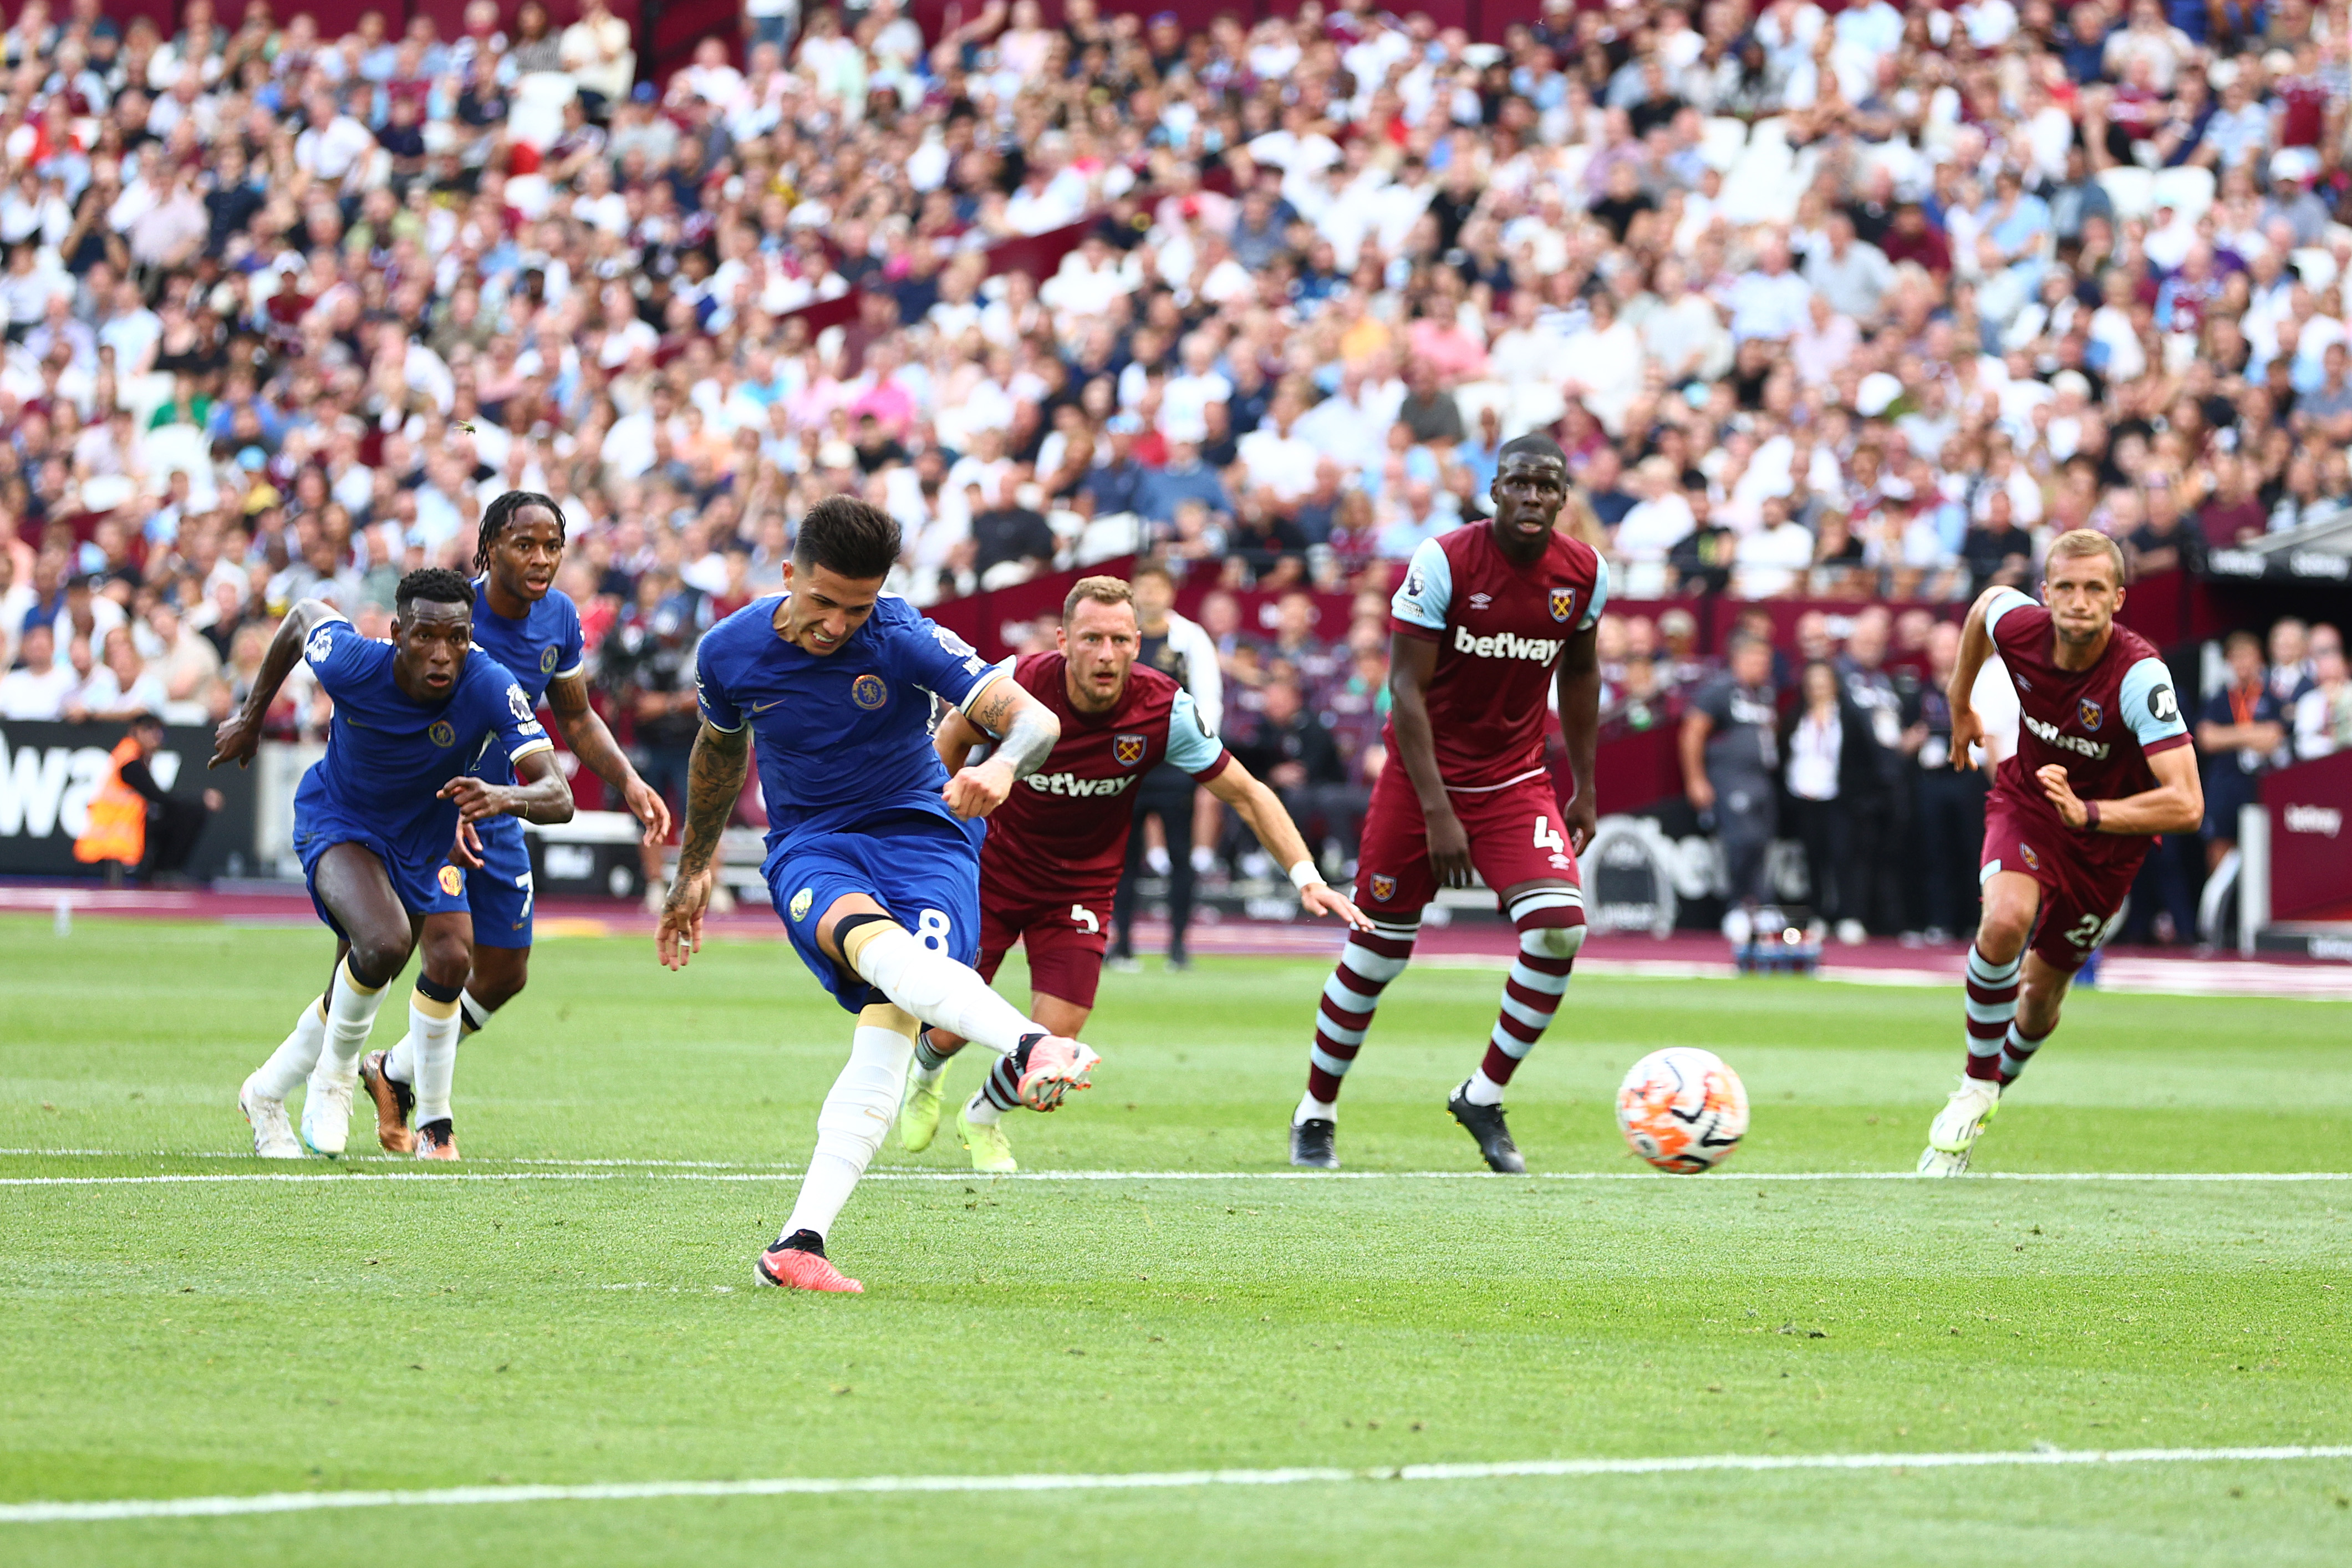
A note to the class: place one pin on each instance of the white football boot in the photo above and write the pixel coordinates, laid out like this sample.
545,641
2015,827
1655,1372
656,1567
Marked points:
327,1116
1953,1132
1935,1162
273,1135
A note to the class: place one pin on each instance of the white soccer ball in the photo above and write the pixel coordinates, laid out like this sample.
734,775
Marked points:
1683,1110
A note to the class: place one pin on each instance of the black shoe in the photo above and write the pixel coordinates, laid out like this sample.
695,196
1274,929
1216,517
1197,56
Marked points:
1485,1124
1179,961
1310,1143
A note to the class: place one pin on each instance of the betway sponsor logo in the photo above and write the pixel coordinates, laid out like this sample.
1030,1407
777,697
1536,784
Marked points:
2324,820
1504,645
1070,784
2063,741
46,788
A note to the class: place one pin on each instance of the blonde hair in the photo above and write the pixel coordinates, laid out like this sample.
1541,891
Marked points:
2087,542
1101,590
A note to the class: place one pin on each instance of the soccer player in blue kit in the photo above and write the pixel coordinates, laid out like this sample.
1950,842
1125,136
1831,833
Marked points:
375,822
533,627
873,853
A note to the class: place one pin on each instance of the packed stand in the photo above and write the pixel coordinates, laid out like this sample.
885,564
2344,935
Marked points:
1850,308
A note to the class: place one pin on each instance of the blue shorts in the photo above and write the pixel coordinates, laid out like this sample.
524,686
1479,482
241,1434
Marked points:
501,893
925,870
424,885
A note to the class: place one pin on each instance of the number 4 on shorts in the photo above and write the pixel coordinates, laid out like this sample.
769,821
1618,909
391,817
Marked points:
1548,836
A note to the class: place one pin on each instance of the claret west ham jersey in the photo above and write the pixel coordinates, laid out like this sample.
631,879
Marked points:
1499,629
1062,834
2100,724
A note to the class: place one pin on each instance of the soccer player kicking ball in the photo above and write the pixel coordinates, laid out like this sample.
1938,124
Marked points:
1054,853
2103,764
873,850
533,627
1489,616
375,823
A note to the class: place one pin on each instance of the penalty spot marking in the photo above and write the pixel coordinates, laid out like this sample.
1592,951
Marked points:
1160,1480
1730,1179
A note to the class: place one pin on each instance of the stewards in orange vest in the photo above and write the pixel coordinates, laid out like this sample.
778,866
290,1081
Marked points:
118,813
134,820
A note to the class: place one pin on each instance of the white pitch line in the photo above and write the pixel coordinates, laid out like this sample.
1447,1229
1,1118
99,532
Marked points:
1148,1480
1724,1179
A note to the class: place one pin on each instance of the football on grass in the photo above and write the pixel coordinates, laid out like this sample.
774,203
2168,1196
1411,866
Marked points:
1683,1110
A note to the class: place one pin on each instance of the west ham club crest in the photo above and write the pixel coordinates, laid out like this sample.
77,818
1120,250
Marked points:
1563,604
1383,888
1127,750
2090,713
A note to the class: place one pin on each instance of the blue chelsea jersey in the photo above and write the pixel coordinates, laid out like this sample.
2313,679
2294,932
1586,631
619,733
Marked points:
387,753
843,738
542,646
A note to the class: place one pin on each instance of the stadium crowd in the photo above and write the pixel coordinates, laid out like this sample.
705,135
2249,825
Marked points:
1860,307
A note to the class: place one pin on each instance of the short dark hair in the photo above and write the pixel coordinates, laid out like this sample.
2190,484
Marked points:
1533,444
502,511
849,537
437,584
1153,566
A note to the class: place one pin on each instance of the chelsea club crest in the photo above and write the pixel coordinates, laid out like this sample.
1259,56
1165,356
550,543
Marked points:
869,692
442,733
801,902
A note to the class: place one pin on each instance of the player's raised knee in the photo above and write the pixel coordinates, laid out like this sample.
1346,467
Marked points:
447,956
1557,941
376,959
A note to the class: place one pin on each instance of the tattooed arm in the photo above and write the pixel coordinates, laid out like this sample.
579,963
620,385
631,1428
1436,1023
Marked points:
714,780
1024,730
592,744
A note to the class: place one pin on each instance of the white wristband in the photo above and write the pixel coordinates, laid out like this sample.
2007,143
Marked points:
1304,876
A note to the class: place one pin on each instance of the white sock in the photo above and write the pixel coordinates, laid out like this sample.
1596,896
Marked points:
433,1025
1313,1110
1155,860
350,1014
937,989
928,1075
473,1017
979,1111
296,1055
1481,1089
1204,859
862,1106
400,1062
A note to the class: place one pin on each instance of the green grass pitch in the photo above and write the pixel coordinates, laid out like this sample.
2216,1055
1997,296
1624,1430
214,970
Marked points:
573,1323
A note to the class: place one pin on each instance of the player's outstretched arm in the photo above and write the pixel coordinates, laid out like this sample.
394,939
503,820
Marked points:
1024,730
1413,663
239,735
585,732
955,739
1976,646
1580,726
2177,804
1261,809
714,778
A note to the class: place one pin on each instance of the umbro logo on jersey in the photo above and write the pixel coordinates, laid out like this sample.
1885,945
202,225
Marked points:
1506,645
1071,785
1480,601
